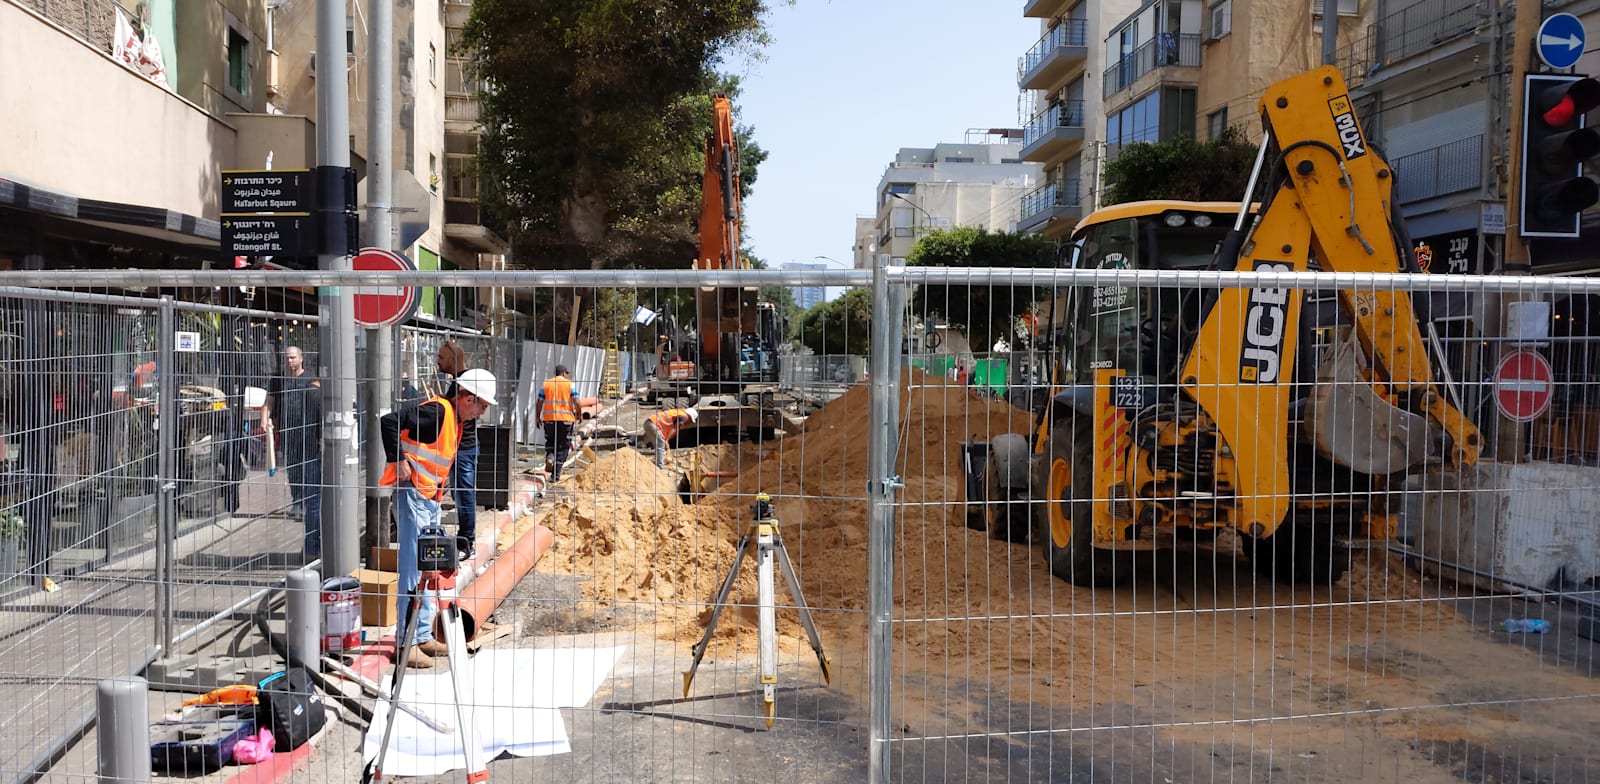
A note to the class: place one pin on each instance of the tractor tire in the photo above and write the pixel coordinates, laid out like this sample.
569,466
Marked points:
1068,484
1006,488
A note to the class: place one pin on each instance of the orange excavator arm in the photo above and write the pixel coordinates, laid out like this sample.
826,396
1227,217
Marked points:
724,314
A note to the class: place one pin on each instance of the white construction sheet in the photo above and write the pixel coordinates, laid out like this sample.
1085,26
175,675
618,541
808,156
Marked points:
516,697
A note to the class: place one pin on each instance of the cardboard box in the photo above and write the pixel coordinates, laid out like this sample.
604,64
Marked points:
384,559
379,591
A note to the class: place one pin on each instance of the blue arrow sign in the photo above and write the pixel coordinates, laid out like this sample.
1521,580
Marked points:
1560,40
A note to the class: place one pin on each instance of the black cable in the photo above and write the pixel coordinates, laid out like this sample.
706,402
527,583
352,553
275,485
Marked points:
281,647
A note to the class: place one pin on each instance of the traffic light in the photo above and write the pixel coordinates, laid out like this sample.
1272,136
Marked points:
1555,145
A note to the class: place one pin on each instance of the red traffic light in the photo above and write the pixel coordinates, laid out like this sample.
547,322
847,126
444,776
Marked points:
1560,107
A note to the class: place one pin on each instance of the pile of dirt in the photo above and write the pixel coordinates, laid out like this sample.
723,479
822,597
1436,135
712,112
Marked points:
622,525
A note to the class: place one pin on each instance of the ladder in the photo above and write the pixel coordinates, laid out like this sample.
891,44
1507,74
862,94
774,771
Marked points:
611,376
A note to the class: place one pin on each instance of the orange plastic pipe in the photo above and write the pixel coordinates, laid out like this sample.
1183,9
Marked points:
486,593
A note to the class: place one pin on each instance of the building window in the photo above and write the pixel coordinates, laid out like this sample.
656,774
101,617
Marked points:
433,65
433,172
238,62
1161,115
954,159
460,182
1216,123
1221,19
349,35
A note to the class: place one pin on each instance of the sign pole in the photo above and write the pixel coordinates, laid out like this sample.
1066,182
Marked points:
340,532
380,234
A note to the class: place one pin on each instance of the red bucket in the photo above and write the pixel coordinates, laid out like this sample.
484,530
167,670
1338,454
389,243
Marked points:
341,614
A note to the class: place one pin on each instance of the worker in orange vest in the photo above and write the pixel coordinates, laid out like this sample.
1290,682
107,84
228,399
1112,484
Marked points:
660,429
557,411
420,443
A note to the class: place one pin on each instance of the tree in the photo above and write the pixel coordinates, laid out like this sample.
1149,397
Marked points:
840,326
1214,170
594,114
985,312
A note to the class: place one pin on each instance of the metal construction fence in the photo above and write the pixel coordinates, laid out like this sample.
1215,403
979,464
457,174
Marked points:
1154,526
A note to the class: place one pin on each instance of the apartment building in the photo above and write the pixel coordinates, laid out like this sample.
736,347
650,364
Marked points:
111,151
1246,45
980,182
435,137
1063,92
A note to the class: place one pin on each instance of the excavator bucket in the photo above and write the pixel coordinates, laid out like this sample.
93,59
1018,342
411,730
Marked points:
1350,423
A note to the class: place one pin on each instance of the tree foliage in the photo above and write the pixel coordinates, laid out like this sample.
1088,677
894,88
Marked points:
594,114
985,312
839,326
1214,170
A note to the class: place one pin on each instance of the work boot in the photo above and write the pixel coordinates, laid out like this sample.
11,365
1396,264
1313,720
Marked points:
418,659
434,648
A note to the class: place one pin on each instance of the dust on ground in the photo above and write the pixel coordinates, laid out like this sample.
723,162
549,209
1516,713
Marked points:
1198,642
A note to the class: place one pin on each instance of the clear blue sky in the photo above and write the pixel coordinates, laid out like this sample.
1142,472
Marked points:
845,84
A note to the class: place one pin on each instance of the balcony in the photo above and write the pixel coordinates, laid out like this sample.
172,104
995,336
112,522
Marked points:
467,222
1440,171
1042,9
460,112
1423,27
1053,209
1163,51
1062,49
1053,132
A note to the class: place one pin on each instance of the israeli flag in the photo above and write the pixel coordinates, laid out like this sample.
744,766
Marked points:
643,315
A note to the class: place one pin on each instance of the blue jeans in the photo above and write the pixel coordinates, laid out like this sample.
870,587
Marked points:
464,488
305,487
412,513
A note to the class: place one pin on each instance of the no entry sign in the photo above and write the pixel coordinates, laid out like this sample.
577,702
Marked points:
383,305
1523,385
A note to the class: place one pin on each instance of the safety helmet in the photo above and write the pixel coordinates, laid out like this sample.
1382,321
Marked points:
694,416
480,383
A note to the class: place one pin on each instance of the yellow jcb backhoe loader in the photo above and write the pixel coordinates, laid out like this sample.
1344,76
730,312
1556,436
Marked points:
1175,414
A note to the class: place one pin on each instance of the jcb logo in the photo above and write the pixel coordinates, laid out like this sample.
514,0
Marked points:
1265,324
1344,121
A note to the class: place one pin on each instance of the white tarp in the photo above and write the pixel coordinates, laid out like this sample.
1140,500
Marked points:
517,694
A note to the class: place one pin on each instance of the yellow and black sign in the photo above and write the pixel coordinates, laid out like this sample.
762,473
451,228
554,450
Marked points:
1344,121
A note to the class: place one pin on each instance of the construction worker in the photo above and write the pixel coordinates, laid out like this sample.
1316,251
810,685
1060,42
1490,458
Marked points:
557,411
451,363
420,443
660,429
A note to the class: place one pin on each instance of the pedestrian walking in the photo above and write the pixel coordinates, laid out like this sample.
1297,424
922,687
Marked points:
294,404
557,410
420,443
661,428
464,472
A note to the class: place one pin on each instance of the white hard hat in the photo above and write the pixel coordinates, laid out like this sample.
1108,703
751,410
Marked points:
480,383
694,416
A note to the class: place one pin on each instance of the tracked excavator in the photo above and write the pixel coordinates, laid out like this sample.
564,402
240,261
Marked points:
1278,417
726,366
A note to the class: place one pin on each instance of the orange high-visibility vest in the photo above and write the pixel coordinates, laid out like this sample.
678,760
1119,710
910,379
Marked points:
430,463
558,405
668,422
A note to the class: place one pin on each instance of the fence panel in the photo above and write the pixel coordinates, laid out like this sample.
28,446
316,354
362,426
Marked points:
1303,573
970,628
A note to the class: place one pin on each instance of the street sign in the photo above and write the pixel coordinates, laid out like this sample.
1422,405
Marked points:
251,191
269,235
1523,385
1560,40
383,306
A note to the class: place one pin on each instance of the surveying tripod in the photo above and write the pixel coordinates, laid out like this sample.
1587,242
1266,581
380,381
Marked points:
437,558
764,532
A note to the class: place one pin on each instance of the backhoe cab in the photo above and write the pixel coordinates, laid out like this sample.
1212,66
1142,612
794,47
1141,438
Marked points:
1178,413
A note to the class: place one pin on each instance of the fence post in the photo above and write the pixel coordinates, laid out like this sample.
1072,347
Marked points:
123,711
883,446
166,471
